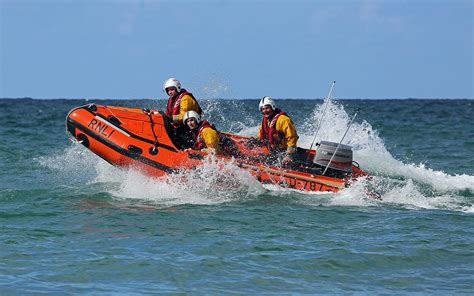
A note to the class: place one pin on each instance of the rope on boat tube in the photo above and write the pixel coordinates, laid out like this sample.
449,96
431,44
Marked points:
155,144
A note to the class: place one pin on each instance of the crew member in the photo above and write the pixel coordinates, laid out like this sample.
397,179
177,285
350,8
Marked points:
205,135
179,102
277,130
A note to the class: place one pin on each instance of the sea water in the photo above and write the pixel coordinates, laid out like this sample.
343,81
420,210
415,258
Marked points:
73,224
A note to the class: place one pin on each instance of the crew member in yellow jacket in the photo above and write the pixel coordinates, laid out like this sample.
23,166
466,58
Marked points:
179,102
277,130
206,137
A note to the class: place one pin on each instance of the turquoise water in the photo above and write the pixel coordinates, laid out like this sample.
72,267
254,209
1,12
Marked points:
71,223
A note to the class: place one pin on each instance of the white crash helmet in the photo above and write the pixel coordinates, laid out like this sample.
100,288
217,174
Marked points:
172,82
266,101
191,114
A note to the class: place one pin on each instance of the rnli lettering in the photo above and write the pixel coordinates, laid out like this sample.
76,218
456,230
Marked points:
100,127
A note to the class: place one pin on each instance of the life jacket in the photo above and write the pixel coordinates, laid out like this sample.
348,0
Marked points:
269,135
173,107
198,140
227,146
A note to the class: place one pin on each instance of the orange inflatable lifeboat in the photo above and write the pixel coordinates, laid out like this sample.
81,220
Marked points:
143,139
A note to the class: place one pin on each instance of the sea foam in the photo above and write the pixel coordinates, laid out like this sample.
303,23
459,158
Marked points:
406,185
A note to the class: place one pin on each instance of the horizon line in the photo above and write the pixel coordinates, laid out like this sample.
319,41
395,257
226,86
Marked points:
318,98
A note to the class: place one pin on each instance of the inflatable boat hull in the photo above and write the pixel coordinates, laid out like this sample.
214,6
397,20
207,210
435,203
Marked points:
131,137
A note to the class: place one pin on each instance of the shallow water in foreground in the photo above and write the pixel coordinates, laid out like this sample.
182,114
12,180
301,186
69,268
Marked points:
72,223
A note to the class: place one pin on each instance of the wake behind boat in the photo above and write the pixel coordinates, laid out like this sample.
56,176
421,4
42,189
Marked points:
142,139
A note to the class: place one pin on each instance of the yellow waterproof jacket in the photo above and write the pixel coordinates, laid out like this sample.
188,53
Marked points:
187,104
210,138
284,126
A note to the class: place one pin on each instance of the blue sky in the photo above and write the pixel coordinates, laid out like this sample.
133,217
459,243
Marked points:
237,49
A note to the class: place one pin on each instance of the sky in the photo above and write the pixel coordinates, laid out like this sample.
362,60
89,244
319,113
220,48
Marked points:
126,49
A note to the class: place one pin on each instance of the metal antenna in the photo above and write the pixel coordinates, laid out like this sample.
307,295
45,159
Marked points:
328,99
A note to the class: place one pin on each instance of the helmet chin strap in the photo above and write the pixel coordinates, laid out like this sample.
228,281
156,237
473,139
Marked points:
271,113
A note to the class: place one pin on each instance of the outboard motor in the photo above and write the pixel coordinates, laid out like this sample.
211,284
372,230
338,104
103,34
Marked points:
341,163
